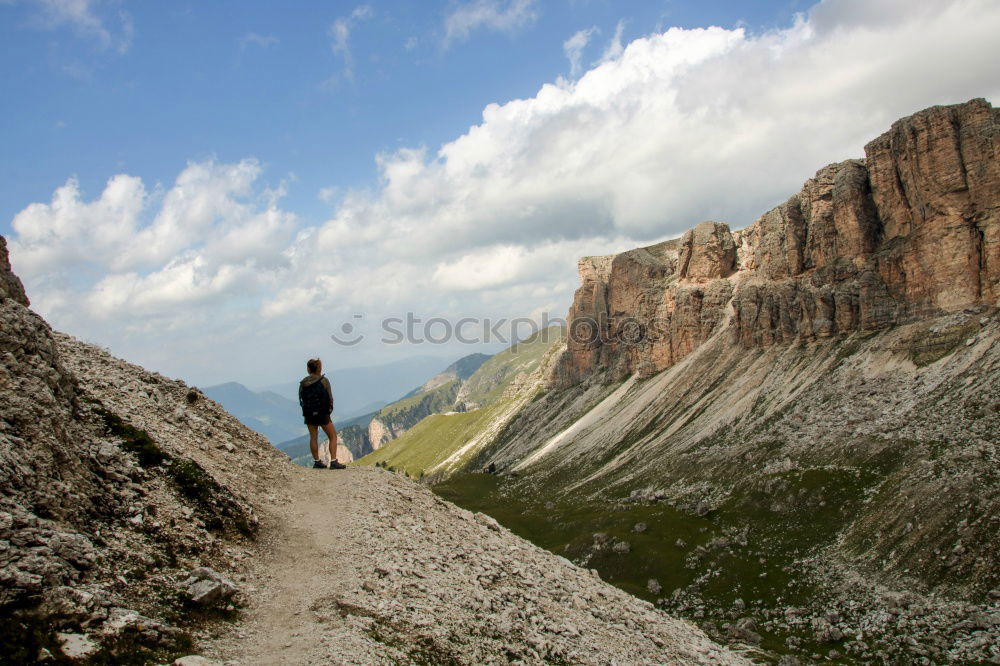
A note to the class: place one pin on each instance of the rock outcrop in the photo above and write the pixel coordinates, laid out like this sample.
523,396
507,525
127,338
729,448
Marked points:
10,284
912,230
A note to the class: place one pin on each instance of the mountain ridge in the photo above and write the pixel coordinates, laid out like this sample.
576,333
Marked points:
910,231
266,412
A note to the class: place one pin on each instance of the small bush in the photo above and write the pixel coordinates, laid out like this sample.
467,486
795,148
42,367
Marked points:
133,439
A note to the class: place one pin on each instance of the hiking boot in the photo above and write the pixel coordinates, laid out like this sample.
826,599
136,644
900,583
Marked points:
318,464
337,465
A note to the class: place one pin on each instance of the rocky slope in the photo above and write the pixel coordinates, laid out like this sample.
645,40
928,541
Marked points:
114,484
801,417
397,576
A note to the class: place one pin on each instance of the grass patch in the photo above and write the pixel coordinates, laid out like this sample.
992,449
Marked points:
127,649
218,506
21,640
431,441
133,439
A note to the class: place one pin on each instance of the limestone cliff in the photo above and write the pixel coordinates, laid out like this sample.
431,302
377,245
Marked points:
912,230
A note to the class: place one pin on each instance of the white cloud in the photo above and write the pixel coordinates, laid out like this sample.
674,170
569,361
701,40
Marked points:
496,15
614,49
80,15
574,46
678,127
131,253
263,41
340,36
328,194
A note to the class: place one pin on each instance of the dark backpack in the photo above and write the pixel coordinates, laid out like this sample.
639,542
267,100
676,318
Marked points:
315,400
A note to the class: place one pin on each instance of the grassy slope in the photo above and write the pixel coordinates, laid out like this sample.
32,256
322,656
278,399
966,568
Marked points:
488,383
435,400
431,441
436,437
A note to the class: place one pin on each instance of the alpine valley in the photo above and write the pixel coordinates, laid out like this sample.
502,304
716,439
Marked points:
789,433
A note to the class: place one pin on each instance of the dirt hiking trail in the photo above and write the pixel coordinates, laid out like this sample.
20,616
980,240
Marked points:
365,567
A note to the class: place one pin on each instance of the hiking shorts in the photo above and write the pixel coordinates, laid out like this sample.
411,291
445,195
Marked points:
317,419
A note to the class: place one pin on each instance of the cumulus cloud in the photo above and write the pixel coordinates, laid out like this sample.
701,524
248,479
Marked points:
132,253
677,127
495,15
574,46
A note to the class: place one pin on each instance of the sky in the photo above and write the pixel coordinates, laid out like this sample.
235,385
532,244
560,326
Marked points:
216,191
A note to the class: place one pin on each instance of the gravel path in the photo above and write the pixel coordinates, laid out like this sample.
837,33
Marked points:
370,568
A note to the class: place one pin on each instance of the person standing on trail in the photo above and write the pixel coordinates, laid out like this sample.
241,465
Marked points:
316,399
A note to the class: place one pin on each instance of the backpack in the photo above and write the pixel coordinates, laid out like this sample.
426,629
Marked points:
315,400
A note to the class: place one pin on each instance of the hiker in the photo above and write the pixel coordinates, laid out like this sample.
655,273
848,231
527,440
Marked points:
316,398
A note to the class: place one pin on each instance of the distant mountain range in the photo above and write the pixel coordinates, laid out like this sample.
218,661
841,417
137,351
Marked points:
272,415
361,390
358,394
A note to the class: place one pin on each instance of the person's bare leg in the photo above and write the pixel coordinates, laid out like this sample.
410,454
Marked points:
314,441
331,434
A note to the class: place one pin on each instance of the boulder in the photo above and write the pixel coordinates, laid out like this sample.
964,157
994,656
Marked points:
207,587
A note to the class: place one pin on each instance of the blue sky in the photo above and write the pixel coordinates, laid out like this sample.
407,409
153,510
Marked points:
174,82
212,191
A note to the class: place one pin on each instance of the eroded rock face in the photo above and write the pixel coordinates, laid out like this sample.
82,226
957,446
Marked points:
379,434
936,183
707,252
10,284
912,230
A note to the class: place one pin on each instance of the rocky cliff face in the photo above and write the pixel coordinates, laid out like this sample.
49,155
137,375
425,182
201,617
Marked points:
912,230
